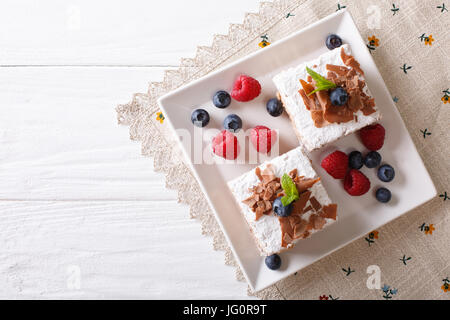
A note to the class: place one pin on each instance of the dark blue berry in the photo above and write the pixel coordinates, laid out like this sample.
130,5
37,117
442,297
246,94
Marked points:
200,117
338,96
383,195
221,99
274,107
273,262
372,159
355,160
386,173
281,210
232,123
333,41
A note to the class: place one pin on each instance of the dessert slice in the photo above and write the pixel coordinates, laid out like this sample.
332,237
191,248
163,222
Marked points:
317,119
257,191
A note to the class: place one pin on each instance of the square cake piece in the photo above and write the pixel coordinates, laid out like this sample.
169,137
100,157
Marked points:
316,120
256,191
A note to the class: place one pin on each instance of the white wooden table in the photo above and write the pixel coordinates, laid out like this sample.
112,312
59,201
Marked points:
82,214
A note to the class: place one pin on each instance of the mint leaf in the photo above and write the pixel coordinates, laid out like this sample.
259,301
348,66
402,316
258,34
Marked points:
286,200
290,189
322,83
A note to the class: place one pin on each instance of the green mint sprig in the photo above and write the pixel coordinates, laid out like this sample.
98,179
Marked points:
290,189
321,82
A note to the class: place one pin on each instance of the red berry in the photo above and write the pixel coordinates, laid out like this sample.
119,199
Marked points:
336,164
373,136
356,183
263,138
226,145
245,88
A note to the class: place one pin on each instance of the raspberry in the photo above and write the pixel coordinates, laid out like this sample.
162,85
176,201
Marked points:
373,136
336,164
226,145
356,183
245,88
263,138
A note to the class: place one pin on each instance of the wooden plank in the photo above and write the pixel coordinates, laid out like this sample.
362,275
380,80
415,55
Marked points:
108,32
122,249
60,139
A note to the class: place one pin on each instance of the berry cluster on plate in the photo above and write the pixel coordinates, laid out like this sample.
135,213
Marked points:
225,144
347,167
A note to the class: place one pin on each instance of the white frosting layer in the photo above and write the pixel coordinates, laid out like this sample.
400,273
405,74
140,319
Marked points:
288,84
267,229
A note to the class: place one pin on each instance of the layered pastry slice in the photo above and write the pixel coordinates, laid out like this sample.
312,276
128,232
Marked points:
317,119
259,191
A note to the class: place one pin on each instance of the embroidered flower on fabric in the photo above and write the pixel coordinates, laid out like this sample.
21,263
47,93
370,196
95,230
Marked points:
446,286
373,43
405,68
388,292
371,237
264,42
428,40
394,9
328,297
425,132
446,96
405,259
160,117
443,8
427,229
348,271
339,7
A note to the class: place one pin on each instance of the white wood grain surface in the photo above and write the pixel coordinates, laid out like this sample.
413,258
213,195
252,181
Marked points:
82,214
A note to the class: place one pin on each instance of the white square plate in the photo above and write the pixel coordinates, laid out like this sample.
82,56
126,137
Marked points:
357,216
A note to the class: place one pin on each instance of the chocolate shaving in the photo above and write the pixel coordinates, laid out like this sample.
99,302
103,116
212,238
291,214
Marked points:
293,173
305,184
264,193
307,209
316,221
300,204
258,173
300,229
315,204
339,70
309,102
329,211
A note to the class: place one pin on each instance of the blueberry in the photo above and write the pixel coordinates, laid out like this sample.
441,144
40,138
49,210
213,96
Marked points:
372,159
274,107
333,41
221,99
200,117
232,123
273,262
281,210
338,96
355,160
386,173
383,195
